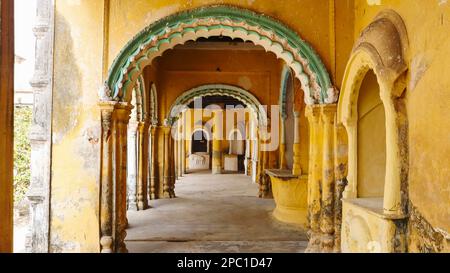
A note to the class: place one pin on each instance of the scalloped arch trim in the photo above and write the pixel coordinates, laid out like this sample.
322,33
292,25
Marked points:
228,21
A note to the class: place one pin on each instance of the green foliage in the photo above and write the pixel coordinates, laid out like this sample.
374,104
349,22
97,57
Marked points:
22,151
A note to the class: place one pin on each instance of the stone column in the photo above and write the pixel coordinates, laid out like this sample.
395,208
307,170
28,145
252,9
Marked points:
166,163
154,178
121,117
314,179
40,135
247,157
172,170
106,179
132,182
175,154
180,148
283,163
264,179
297,169
216,156
328,185
183,145
340,172
142,130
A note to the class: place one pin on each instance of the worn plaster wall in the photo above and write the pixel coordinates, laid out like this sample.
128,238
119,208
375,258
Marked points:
427,102
254,70
75,153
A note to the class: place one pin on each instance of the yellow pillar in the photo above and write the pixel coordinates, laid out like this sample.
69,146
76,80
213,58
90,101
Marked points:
142,166
106,179
283,163
121,117
314,178
340,172
183,145
166,163
328,115
297,169
216,156
217,144
153,164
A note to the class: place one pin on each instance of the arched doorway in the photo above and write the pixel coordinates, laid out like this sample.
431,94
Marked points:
151,43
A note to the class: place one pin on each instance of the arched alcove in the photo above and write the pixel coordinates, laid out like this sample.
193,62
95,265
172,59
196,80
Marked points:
372,110
371,139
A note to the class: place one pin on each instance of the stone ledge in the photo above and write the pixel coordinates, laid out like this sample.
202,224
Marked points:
283,174
373,206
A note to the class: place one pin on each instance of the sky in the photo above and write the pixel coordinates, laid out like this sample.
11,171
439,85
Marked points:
24,16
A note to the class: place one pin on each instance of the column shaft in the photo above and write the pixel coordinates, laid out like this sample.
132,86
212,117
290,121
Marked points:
132,167
153,165
142,166
121,117
297,169
314,196
106,179
328,185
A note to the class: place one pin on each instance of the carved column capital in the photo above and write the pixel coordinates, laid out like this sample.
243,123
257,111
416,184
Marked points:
312,112
329,112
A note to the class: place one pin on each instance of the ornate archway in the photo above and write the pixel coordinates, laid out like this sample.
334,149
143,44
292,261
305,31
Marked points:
238,93
227,21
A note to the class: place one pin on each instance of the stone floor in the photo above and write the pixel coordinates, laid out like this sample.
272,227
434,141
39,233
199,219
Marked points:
212,214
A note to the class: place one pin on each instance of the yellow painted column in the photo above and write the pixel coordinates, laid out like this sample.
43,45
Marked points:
340,173
283,163
172,161
216,156
180,147
121,117
297,169
142,167
393,203
153,164
166,163
106,179
314,178
217,145
183,144
175,155
328,115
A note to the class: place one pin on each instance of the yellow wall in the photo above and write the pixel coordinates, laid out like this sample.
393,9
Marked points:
427,102
371,139
181,70
76,126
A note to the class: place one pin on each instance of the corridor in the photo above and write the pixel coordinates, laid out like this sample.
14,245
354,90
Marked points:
212,213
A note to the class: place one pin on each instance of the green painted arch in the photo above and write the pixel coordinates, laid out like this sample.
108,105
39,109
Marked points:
212,21
238,93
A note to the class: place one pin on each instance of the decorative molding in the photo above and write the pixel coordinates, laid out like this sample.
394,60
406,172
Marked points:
227,21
